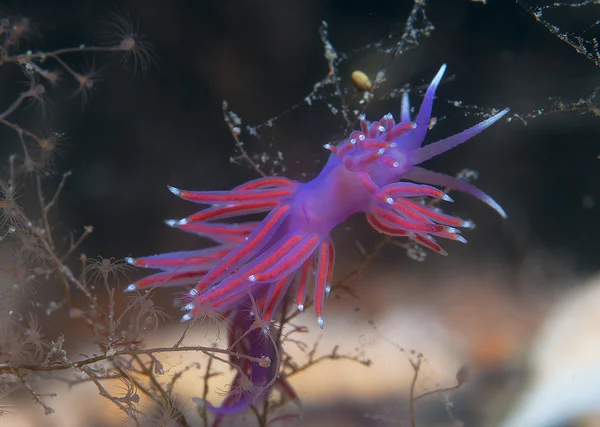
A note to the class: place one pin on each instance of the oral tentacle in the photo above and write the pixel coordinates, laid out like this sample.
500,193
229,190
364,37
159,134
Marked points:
424,115
418,174
429,151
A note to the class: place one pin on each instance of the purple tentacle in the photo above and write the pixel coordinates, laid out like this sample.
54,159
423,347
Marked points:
431,150
424,116
405,110
425,176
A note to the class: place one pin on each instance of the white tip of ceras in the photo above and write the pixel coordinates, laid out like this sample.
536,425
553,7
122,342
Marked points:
186,317
130,261
300,307
494,205
327,290
460,239
174,190
130,288
320,321
439,75
172,222
188,307
468,224
447,198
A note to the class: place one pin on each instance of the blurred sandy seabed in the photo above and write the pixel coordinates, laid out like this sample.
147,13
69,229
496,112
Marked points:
470,320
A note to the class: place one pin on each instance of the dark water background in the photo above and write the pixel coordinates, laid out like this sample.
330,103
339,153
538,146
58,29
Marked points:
140,133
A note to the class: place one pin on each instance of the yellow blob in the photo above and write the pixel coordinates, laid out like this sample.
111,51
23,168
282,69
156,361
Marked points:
361,81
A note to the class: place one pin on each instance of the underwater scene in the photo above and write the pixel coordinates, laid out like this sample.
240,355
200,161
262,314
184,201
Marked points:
313,213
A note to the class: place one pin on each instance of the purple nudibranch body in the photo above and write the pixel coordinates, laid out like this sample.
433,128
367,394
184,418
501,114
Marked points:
375,171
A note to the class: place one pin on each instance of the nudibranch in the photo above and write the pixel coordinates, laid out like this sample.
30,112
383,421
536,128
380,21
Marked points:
376,171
